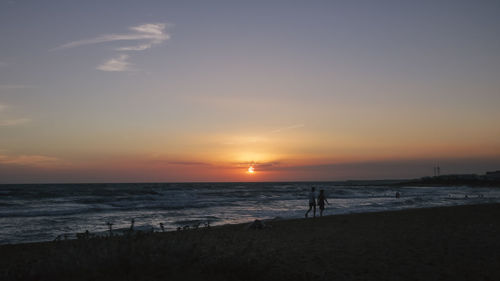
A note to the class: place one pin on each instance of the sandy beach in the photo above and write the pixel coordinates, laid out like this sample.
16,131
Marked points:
446,243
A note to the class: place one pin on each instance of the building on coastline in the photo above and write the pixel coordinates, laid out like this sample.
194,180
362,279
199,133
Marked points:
488,178
495,175
459,177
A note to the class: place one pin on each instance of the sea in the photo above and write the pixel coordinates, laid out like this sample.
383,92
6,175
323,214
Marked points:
44,212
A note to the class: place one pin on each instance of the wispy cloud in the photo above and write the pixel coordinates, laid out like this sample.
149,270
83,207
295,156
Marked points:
288,128
188,163
119,63
11,122
143,36
261,164
14,122
30,160
172,160
152,33
257,165
135,48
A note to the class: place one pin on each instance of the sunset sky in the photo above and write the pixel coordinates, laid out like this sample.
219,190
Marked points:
166,91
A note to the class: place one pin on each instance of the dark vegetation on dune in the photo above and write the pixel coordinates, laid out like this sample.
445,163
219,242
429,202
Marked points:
450,243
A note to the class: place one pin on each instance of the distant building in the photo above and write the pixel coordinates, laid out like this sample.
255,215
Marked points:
495,175
459,177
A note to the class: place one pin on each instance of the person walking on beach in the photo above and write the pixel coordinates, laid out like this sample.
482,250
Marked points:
312,202
321,202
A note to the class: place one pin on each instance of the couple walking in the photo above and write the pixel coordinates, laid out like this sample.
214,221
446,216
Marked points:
321,202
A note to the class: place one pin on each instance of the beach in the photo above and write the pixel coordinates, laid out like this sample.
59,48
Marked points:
39,213
444,243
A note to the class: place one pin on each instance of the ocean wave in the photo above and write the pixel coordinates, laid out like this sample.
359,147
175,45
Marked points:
44,213
52,209
136,206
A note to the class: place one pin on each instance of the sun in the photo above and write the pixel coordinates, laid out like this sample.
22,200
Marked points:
251,170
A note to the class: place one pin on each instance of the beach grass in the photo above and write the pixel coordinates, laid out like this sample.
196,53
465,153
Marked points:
444,243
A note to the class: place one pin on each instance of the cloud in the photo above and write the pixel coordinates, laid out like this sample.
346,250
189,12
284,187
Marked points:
145,37
14,122
135,48
2,63
258,165
30,160
188,163
288,128
152,33
11,122
150,28
119,63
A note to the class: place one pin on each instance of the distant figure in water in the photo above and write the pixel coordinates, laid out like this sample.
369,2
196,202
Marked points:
398,194
321,202
312,202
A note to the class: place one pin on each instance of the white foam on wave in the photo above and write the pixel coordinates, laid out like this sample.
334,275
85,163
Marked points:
33,213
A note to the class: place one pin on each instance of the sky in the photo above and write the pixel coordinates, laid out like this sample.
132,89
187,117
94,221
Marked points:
176,91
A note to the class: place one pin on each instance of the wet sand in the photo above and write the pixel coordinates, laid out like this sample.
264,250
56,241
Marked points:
446,243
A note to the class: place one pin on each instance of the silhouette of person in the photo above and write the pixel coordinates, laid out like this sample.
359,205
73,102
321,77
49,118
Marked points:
321,202
312,202
398,194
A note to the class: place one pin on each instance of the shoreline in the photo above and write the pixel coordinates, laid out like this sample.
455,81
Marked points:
142,230
439,243
145,229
